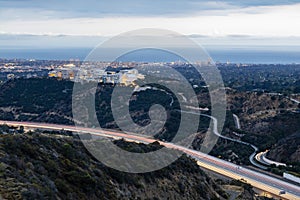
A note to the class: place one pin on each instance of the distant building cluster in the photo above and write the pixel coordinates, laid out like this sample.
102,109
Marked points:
14,69
114,75
62,74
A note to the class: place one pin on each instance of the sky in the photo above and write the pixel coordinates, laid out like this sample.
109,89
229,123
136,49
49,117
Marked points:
78,23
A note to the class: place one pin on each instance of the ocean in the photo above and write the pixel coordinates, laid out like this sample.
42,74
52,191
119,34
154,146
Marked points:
237,55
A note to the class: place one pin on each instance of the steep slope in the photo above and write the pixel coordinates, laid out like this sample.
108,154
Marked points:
45,166
287,150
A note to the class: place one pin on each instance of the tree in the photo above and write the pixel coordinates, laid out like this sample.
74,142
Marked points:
21,129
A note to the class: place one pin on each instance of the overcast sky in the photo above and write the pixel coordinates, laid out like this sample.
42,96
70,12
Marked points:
82,23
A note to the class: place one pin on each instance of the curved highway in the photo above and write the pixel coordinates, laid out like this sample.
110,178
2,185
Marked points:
256,179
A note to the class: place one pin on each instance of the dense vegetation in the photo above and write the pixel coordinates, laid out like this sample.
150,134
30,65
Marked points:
44,166
45,100
260,77
50,100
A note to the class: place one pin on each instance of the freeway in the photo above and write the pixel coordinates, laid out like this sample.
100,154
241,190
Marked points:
256,179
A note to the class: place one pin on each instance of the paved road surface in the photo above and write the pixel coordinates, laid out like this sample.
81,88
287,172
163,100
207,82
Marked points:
256,179
237,121
261,157
215,131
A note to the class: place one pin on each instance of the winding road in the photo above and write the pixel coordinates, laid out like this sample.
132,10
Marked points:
256,179
261,156
236,121
215,131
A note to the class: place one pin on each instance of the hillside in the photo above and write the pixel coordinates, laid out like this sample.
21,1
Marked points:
265,118
45,166
287,150
269,121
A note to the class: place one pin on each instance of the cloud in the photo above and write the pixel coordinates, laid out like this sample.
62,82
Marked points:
263,21
48,41
108,8
54,20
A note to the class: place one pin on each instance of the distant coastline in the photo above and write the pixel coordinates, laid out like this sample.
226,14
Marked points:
223,55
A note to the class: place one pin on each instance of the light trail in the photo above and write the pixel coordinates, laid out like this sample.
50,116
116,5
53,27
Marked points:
256,179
